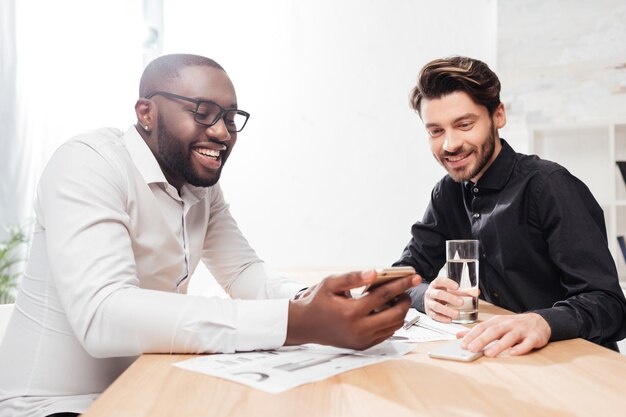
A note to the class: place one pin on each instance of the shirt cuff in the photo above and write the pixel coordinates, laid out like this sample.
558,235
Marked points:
417,296
563,324
261,324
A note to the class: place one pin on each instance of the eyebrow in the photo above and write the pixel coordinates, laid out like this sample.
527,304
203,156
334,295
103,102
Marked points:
232,106
458,119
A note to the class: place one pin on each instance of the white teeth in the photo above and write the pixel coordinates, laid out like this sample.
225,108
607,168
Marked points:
457,159
208,152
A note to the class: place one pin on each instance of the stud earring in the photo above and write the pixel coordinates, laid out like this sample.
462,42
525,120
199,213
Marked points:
146,128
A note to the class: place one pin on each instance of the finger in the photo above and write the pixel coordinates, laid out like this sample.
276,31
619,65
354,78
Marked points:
498,346
522,348
488,335
339,284
439,311
471,335
442,296
444,282
479,329
440,317
378,338
381,326
390,317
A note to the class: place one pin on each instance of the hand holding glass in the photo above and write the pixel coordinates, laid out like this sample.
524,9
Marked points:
462,261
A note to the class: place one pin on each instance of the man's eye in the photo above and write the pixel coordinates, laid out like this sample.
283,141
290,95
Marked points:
466,125
435,132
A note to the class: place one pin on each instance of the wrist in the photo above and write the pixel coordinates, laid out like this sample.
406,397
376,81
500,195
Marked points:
296,328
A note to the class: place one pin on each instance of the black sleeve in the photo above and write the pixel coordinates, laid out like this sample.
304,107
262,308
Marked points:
572,223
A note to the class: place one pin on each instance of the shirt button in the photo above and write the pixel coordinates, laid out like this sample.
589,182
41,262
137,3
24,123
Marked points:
475,190
476,215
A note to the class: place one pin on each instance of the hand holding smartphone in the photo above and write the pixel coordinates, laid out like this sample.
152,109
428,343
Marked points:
389,274
454,351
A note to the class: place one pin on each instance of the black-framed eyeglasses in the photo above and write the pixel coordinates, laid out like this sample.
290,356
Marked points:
207,113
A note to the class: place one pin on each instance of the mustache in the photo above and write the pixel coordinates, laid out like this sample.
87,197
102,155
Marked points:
455,153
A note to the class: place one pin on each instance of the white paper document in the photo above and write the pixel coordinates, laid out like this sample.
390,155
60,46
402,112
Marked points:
279,370
426,329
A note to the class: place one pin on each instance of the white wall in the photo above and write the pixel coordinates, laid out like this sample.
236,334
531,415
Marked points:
333,167
562,61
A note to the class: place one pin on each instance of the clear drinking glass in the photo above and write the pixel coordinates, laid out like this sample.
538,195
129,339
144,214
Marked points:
462,259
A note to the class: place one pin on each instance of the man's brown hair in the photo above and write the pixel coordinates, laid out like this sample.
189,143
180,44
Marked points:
457,73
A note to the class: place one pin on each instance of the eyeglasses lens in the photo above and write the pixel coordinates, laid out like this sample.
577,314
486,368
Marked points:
210,113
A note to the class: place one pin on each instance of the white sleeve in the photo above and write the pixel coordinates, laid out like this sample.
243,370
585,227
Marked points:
83,210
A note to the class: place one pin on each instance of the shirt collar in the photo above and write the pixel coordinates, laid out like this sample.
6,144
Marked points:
498,174
143,158
150,169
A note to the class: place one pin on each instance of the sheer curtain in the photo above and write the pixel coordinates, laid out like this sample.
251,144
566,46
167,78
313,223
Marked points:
67,66
13,152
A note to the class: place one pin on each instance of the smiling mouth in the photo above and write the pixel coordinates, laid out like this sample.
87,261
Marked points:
457,158
209,153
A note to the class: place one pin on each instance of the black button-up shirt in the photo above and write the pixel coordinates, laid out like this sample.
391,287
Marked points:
543,246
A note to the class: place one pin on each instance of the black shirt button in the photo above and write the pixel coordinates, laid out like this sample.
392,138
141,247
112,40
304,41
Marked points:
476,215
475,190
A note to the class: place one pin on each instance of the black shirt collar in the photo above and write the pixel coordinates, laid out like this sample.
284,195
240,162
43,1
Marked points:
498,174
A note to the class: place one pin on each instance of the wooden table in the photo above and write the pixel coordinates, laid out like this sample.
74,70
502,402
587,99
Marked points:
568,378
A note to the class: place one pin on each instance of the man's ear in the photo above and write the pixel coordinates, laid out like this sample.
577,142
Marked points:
499,117
144,111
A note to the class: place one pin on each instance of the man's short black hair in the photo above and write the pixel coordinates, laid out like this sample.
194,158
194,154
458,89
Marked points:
166,67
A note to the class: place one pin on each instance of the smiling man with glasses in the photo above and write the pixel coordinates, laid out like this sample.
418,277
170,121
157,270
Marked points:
123,219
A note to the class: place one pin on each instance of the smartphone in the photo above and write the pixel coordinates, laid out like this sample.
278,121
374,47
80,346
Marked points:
388,274
453,351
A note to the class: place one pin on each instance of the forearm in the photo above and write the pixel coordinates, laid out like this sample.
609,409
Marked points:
258,281
596,316
135,321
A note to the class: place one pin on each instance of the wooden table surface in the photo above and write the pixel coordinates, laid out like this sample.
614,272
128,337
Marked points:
568,378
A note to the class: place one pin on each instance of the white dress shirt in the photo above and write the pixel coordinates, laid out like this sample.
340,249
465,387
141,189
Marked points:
113,249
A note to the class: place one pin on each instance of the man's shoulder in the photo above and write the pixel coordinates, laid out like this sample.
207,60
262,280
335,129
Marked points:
107,143
98,138
536,165
93,148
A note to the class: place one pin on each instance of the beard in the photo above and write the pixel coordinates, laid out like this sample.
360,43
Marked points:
484,154
177,159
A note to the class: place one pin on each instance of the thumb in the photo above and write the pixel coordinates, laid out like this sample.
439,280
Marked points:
339,284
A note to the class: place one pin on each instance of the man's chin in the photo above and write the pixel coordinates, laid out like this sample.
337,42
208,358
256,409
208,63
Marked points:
459,176
198,181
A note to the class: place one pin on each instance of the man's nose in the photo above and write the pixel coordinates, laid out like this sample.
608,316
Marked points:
218,131
452,142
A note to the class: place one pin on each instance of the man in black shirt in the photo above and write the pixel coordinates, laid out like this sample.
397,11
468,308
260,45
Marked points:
542,235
